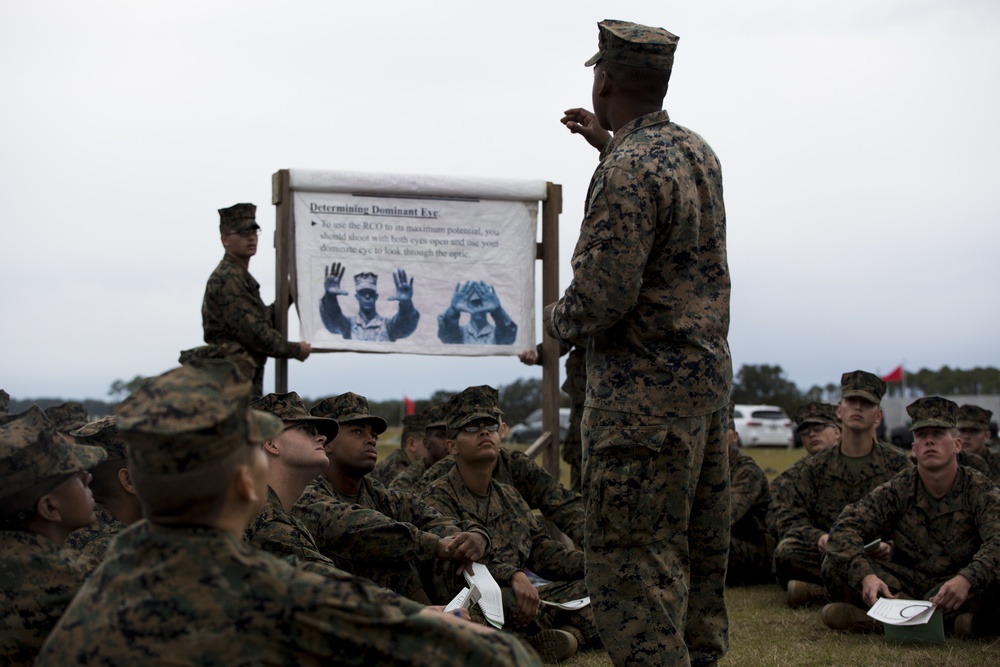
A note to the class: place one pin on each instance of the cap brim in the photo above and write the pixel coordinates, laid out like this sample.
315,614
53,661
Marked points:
930,423
327,426
594,59
860,393
378,424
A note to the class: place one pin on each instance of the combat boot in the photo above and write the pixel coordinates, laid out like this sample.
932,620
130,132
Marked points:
801,593
848,618
554,645
963,626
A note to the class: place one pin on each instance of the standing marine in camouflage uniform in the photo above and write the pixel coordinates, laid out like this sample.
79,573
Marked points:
804,505
182,587
4,403
974,429
944,524
750,546
650,291
411,448
232,310
470,493
575,387
424,536
45,497
115,502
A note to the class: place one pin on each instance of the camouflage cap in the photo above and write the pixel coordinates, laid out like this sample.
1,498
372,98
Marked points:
31,451
190,417
349,407
435,416
68,416
491,395
4,402
974,418
231,351
415,422
471,404
932,411
863,385
290,408
815,412
634,45
104,434
366,281
238,218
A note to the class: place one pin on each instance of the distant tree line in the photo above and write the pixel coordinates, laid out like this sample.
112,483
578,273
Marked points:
766,384
753,384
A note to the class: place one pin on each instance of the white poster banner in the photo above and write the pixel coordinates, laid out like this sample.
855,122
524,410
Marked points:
420,274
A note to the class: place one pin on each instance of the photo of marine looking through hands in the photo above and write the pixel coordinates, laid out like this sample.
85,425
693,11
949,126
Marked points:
478,299
367,325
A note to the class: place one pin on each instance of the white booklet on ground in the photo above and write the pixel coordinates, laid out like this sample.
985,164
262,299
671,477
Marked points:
902,612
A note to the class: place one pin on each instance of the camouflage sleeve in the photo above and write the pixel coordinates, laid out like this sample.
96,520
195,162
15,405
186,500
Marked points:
230,300
788,513
372,634
984,569
610,257
353,532
439,497
408,481
561,506
746,484
404,322
871,517
550,558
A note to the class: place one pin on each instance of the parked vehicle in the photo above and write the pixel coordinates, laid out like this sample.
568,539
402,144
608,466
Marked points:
763,425
528,431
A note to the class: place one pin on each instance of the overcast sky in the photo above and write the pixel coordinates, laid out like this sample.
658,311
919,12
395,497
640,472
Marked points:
858,138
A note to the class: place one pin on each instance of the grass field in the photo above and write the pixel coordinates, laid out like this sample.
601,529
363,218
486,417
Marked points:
765,632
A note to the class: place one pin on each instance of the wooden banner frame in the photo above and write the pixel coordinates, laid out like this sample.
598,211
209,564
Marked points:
547,251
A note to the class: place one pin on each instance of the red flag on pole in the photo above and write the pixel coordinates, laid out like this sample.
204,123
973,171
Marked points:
410,406
895,375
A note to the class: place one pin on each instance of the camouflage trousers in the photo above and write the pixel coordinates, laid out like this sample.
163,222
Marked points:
908,583
657,535
553,618
572,453
797,559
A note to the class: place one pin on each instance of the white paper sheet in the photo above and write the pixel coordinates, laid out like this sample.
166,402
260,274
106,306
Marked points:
902,612
491,602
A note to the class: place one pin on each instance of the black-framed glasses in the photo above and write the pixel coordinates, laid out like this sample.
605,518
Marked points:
812,428
492,427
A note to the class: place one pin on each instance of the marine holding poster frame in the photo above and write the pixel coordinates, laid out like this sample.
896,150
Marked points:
367,325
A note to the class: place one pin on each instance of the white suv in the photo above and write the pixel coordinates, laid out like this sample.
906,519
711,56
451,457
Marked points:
763,425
